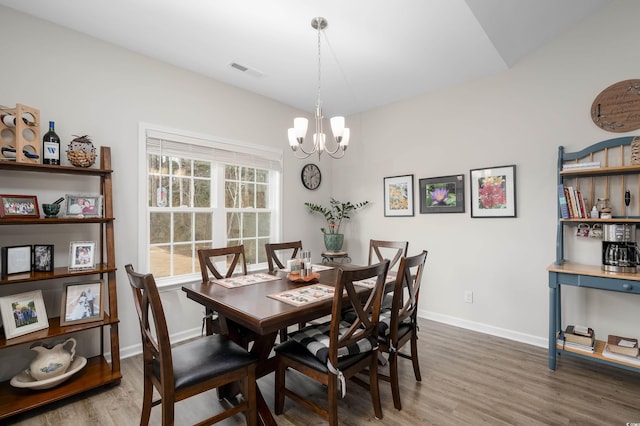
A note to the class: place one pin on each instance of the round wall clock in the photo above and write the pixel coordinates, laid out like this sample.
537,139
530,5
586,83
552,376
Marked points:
311,176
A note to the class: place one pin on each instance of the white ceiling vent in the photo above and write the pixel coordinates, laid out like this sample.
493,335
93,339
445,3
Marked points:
250,71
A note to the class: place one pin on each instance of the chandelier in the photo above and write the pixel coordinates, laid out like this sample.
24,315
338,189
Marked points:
300,124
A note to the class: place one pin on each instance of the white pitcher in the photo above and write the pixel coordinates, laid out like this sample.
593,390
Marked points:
52,362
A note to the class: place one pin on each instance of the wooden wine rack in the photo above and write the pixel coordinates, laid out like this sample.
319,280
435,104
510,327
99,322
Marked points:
24,138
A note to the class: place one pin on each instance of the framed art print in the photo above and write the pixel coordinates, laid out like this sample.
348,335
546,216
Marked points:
82,302
493,192
82,255
398,195
23,313
42,258
19,206
444,194
16,260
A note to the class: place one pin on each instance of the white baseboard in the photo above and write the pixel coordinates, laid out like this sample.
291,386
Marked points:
487,329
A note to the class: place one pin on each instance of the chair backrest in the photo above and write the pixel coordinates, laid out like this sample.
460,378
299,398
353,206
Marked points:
153,326
366,311
273,248
233,255
407,291
392,250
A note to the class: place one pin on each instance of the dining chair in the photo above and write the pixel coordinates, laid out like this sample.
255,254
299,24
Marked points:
274,262
398,325
393,250
334,351
233,257
273,249
187,369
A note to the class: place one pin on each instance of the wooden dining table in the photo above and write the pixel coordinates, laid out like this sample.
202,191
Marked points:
248,314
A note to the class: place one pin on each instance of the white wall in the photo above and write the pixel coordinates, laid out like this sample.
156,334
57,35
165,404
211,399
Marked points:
517,117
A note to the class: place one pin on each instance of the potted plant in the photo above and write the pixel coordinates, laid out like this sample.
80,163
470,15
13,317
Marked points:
334,214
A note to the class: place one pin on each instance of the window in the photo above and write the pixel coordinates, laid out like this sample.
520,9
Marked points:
201,192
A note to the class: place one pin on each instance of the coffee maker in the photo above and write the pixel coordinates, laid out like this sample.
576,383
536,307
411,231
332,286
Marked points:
619,248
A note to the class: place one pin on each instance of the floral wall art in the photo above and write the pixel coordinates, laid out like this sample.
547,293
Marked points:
493,192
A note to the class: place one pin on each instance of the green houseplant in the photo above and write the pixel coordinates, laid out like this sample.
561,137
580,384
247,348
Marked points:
334,214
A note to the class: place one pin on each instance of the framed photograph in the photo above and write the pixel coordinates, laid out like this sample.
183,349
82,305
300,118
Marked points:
42,258
398,195
83,205
493,192
16,259
82,302
19,206
82,255
444,194
23,313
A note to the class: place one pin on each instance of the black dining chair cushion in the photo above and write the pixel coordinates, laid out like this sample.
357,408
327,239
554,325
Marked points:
204,358
298,352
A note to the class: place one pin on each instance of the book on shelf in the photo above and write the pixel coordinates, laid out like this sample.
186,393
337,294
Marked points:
606,352
562,200
579,166
623,345
580,335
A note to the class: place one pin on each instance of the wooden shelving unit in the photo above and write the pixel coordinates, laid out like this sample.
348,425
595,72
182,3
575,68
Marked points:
99,371
562,273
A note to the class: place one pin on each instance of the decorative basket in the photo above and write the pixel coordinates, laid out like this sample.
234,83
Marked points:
81,152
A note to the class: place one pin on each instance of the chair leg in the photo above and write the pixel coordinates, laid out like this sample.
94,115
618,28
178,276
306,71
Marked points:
393,375
414,357
280,385
332,396
283,335
147,402
168,406
252,408
374,387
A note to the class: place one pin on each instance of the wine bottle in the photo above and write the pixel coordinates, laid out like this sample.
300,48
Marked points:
51,146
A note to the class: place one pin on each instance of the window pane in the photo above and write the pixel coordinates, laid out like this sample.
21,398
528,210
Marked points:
180,192
203,228
158,192
202,193
231,197
249,226
248,191
248,174
180,166
160,259
231,172
264,224
262,254
250,251
262,176
262,196
182,227
159,228
233,225
182,259
202,169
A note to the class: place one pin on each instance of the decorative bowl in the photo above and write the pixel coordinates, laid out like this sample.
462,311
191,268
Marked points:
24,379
51,210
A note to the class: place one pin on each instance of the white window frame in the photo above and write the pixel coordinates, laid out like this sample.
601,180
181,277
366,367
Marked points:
231,152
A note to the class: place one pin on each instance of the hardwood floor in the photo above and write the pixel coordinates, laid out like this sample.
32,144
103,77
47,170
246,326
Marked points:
468,378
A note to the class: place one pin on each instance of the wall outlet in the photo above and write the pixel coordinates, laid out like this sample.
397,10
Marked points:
468,296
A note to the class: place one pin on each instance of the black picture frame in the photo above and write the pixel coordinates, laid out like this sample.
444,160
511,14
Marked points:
43,258
493,192
443,194
398,196
16,260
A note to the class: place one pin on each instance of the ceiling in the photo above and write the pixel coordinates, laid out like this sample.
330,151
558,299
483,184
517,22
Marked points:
374,52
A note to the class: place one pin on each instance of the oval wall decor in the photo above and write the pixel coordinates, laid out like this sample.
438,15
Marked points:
617,108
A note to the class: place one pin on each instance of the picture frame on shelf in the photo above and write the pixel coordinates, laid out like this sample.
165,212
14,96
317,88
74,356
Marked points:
42,258
398,195
443,194
83,205
82,302
493,192
82,255
19,206
23,313
16,260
